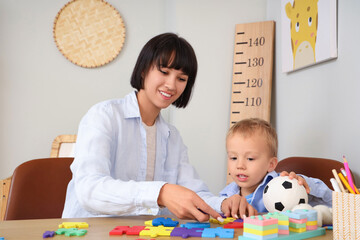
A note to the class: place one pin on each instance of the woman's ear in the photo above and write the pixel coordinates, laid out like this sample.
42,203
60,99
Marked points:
272,164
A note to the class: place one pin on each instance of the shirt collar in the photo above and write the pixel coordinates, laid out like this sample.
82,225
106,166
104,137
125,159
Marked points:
131,108
132,111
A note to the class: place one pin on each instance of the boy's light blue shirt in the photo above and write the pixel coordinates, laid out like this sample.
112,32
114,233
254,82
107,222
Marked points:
109,169
319,192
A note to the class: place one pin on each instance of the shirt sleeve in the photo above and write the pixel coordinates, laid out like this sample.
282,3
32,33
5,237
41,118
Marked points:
95,188
320,194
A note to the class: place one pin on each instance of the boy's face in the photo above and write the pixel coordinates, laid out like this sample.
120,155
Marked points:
249,160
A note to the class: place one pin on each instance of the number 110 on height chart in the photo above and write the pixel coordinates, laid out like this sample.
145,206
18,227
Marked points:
252,71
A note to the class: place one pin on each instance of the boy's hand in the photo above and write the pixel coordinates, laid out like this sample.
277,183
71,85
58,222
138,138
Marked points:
185,204
236,206
300,179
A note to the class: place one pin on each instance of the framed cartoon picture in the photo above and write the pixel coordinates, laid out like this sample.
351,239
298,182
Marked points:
308,32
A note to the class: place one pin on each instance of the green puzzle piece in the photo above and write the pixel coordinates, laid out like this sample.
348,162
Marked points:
71,232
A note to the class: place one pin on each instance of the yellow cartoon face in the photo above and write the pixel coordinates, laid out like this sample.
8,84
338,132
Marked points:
304,20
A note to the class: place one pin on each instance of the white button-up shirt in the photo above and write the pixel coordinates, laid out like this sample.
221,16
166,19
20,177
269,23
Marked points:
109,169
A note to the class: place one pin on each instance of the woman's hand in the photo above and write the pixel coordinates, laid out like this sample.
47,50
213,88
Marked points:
185,204
236,206
300,179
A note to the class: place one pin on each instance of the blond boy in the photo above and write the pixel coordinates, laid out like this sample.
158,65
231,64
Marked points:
251,146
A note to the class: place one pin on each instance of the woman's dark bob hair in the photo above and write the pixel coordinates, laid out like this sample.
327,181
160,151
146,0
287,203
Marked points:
167,50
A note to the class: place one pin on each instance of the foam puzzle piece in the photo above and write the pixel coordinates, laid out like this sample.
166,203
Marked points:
166,222
235,224
74,225
156,231
239,220
48,234
295,236
120,230
186,232
195,225
218,232
226,220
71,232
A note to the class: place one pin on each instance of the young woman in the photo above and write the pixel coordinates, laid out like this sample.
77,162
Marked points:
129,161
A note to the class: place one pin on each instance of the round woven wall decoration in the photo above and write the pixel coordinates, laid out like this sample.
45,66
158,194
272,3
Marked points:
90,33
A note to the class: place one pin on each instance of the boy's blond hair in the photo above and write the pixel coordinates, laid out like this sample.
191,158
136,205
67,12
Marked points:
248,127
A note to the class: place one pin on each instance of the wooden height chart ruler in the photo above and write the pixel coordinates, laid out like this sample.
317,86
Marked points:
252,72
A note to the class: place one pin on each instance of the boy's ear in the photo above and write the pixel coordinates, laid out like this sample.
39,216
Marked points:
273,163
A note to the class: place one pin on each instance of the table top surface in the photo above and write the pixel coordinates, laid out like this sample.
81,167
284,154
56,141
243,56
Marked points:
99,228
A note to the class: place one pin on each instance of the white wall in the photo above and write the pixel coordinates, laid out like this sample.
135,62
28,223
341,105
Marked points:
42,94
316,110
210,27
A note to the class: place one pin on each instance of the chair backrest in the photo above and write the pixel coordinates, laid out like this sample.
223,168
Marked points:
63,146
320,168
38,189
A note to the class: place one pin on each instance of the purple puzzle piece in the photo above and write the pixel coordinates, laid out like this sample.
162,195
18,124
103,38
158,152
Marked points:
186,232
239,220
49,234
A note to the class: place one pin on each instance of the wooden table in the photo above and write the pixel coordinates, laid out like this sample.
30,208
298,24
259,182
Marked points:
99,228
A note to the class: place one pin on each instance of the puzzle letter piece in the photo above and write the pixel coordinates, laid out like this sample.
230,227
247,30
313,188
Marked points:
47,234
74,225
186,232
120,230
218,232
156,231
226,220
71,232
195,225
234,225
166,222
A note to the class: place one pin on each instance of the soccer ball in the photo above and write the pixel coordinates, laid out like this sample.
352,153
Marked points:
282,194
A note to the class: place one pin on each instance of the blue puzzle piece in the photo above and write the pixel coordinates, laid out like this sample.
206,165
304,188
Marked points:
218,232
186,232
195,225
166,222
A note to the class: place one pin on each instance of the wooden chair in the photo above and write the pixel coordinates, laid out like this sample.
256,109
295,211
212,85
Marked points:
38,189
4,193
320,168
62,146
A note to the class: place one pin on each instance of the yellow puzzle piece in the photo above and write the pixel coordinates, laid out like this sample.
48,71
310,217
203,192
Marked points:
156,231
74,225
